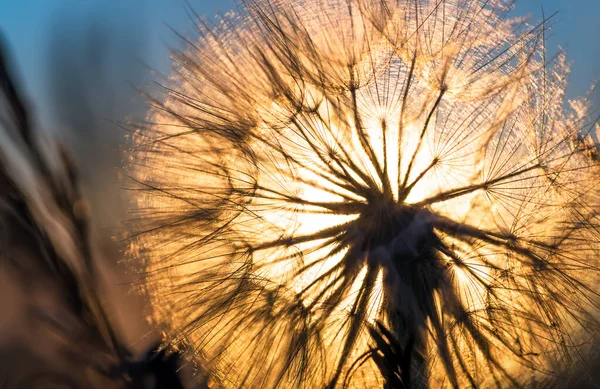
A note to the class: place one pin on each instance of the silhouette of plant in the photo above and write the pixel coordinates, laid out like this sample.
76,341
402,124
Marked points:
45,225
369,193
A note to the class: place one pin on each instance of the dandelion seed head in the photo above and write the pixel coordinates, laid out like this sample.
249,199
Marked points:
320,168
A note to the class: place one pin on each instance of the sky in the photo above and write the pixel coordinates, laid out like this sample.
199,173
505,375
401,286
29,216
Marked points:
139,31
34,28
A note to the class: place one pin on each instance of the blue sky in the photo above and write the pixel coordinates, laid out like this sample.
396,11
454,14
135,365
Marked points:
29,26
33,28
577,30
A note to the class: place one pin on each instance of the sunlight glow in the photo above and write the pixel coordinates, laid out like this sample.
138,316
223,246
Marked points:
329,182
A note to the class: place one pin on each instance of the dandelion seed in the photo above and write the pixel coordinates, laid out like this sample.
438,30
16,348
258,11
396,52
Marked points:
331,186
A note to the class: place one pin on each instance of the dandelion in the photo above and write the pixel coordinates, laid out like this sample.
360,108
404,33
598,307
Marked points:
369,193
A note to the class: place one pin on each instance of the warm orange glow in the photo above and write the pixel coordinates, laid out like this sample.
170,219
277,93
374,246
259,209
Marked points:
362,165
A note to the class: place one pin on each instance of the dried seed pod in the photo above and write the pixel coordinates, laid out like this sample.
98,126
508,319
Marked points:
320,166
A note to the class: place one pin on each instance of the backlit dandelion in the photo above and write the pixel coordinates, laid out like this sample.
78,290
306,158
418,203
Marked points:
369,193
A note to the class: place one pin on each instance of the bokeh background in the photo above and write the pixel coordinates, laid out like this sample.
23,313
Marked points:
83,66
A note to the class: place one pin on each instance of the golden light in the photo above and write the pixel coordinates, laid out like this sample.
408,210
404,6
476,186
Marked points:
325,177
